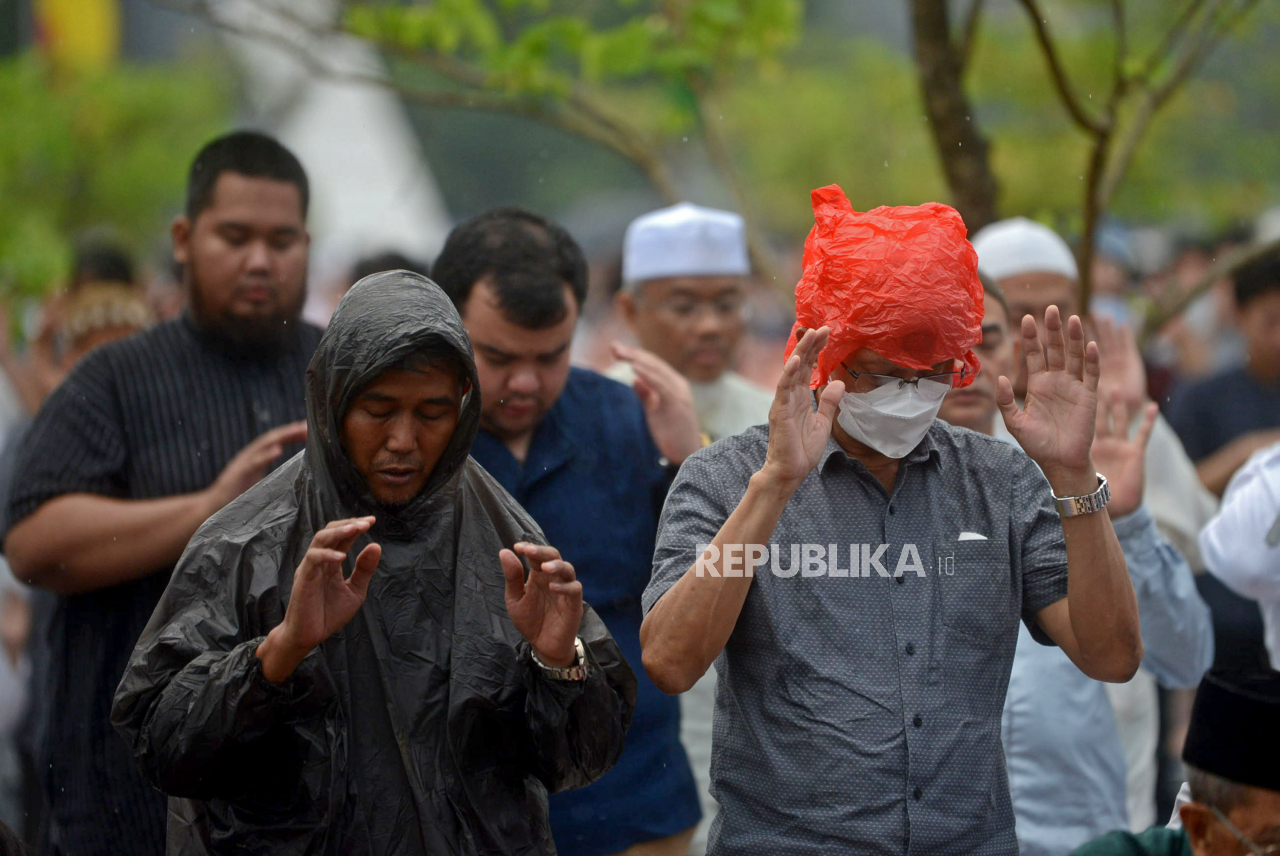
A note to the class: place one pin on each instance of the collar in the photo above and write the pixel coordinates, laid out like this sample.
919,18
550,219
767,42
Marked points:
925,450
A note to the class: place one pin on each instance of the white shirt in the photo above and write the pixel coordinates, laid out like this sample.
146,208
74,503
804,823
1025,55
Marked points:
1241,546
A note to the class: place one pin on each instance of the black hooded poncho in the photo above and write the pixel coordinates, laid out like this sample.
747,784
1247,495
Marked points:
423,726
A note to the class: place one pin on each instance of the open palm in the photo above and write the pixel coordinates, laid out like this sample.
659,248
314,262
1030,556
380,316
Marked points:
798,433
1056,424
547,607
323,600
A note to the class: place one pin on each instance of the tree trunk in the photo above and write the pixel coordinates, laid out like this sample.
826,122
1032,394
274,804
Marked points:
963,150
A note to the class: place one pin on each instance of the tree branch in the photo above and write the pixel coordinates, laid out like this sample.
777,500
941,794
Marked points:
1056,71
1158,316
1171,38
969,35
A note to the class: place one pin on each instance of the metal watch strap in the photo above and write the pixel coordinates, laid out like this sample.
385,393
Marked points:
1074,506
577,671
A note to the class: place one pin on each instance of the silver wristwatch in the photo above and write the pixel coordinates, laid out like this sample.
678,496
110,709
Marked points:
576,671
1074,506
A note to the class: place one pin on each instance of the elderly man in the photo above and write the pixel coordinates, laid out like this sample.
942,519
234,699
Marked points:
1233,777
1067,770
1035,268
685,286
338,665
861,682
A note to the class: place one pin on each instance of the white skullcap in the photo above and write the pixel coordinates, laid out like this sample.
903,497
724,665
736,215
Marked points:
1018,245
684,240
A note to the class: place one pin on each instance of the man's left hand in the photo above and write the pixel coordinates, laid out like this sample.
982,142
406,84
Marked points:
667,401
547,607
1056,424
1120,457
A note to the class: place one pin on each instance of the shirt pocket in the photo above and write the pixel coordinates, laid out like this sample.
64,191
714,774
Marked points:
976,590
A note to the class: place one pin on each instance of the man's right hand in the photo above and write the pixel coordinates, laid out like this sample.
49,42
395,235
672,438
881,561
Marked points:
322,600
250,464
797,433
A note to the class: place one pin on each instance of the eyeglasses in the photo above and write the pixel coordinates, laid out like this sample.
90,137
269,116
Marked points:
870,382
687,309
1256,849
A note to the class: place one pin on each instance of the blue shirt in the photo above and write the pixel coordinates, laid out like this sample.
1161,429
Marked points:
1211,412
1067,773
592,481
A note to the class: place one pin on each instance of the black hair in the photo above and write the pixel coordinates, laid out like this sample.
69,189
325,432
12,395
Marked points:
1257,278
100,261
385,261
526,259
247,153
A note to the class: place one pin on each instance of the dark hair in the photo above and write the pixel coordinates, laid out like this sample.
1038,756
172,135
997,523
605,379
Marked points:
526,259
1257,278
101,262
384,261
245,153
991,289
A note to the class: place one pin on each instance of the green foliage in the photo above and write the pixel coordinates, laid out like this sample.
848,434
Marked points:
546,48
110,150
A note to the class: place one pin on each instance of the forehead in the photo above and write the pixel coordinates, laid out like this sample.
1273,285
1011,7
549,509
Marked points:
867,360
704,287
993,313
489,327
251,200
424,380
1039,289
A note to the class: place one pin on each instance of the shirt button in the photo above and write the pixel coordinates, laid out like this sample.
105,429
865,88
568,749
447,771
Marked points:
911,649
917,722
899,579
891,509
917,793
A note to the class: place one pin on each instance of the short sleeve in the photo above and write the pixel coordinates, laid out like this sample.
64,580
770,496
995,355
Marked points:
75,445
1039,549
695,509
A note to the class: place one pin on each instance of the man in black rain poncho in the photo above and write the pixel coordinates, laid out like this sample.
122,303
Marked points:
289,712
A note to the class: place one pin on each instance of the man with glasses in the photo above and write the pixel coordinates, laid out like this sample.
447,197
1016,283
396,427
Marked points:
685,286
1233,777
859,703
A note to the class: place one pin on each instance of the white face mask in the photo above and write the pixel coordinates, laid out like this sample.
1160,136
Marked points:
890,420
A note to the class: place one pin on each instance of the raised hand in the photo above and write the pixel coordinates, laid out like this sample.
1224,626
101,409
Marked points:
1120,457
250,464
547,607
322,600
1120,364
667,401
1056,424
797,433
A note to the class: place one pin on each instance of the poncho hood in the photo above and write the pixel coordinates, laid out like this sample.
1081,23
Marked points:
384,319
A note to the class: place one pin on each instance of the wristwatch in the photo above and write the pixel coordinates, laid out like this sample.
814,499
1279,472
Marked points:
575,671
1074,506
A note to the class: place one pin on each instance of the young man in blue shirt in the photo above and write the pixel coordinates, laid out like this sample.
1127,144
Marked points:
591,463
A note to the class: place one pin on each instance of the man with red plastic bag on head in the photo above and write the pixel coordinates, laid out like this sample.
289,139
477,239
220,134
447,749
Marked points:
857,569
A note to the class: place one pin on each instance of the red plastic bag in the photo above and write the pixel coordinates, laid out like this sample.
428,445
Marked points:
902,281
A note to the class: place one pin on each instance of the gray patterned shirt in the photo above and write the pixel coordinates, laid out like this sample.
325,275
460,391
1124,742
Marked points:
859,700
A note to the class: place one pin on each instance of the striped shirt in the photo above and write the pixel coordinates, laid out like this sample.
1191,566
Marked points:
158,414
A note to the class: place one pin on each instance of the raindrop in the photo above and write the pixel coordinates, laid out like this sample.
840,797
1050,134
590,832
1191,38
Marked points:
685,139
886,164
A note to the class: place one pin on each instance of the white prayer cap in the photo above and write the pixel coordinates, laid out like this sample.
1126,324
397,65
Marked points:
684,240
1018,245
